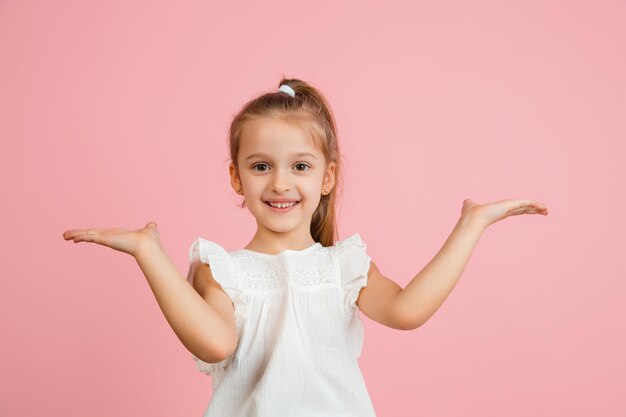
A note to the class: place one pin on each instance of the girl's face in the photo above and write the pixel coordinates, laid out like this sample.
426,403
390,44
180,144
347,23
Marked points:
279,161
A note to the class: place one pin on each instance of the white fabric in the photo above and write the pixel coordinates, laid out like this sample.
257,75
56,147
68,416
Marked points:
299,331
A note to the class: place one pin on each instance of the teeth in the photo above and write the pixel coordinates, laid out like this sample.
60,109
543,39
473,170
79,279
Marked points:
282,205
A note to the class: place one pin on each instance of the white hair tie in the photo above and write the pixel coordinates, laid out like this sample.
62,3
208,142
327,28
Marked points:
286,89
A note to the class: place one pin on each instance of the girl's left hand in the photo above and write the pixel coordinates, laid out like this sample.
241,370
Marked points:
488,214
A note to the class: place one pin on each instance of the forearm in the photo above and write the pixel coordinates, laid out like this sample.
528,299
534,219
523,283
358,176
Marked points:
425,293
198,326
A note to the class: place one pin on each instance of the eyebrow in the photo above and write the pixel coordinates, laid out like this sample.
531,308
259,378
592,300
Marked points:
262,155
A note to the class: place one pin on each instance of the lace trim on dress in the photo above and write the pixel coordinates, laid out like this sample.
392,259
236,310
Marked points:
225,273
266,272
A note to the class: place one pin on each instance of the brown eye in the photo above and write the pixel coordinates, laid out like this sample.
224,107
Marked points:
304,165
257,165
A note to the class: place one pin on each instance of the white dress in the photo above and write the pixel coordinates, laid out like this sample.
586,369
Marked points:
299,331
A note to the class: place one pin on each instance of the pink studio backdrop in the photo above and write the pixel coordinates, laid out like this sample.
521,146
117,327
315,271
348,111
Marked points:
113,114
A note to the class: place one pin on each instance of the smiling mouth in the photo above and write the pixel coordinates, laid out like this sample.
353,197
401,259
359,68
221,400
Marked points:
283,205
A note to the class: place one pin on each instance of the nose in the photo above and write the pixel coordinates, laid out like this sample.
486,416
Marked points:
280,181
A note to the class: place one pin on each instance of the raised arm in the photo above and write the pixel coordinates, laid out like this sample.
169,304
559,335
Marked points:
427,291
202,328
206,329
409,308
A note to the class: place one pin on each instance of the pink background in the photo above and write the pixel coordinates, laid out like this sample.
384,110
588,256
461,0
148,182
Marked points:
113,114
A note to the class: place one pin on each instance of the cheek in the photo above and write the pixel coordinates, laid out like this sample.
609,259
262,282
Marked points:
313,192
253,184
316,187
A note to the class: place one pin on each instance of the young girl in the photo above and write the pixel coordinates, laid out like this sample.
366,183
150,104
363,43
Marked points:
276,323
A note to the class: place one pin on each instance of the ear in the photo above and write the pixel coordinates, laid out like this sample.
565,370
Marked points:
329,178
235,181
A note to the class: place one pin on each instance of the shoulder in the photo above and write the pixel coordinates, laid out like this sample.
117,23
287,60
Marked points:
368,289
207,252
354,240
211,271
353,257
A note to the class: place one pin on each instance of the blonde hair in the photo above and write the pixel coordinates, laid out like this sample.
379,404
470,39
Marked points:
310,110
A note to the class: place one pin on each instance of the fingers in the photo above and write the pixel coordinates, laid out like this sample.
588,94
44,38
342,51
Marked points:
524,206
533,207
537,207
80,235
70,234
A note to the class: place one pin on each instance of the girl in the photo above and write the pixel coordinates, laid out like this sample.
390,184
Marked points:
275,324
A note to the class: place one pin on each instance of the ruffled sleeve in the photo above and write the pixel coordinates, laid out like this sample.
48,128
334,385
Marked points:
355,264
224,273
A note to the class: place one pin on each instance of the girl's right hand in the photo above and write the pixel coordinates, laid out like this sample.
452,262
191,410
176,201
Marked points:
127,241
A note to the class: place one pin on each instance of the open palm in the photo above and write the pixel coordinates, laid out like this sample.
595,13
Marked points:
127,241
487,214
